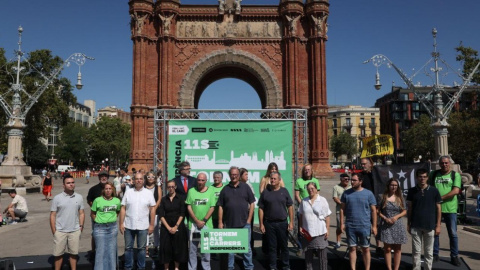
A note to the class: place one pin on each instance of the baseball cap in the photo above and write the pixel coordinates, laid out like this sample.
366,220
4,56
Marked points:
344,175
128,177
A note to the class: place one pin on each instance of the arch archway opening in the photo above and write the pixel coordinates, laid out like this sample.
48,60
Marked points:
229,93
229,87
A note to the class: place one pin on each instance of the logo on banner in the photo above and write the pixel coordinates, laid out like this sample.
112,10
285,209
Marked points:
177,130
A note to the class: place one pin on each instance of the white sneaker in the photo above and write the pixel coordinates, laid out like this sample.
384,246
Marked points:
337,245
12,222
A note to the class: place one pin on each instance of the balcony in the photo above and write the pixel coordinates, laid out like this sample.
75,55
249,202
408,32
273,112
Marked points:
347,126
372,125
362,125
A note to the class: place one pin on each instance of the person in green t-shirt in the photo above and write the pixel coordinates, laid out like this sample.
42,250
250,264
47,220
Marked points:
104,213
200,205
216,188
301,183
449,189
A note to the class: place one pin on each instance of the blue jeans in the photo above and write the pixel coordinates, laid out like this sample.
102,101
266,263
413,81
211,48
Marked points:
247,257
192,259
277,234
105,236
451,223
141,246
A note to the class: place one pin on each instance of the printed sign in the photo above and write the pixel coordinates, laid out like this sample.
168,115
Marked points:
224,241
377,145
212,146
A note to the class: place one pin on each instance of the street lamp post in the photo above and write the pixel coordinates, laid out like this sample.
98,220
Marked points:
14,167
437,110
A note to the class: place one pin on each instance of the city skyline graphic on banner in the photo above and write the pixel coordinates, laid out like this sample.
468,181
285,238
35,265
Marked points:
244,160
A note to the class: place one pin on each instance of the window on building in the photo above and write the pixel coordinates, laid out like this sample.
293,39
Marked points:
415,106
335,132
416,115
362,132
348,113
334,123
348,121
362,121
372,121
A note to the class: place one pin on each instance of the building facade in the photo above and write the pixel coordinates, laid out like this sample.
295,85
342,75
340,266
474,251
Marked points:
83,114
358,121
113,111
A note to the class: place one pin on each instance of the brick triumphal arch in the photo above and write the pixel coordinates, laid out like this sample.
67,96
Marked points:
178,50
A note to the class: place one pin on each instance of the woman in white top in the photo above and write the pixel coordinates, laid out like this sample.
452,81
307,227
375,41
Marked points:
313,222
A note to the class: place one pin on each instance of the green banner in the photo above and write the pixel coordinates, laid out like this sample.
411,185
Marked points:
212,146
224,241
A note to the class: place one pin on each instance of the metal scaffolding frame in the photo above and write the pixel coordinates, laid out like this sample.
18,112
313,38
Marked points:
299,117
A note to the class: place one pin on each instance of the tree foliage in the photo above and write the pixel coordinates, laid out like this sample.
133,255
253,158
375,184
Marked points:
418,140
73,144
343,144
464,137
110,138
469,58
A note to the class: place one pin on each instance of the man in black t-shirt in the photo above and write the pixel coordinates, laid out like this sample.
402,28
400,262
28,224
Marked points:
235,209
424,217
272,213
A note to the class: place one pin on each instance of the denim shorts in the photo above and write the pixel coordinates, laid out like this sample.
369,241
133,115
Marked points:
358,236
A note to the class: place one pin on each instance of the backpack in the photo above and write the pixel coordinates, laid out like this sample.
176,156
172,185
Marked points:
431,181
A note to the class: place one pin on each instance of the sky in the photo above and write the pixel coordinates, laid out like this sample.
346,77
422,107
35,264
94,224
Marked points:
358,29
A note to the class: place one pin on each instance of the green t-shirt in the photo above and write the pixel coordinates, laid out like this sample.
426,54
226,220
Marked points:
445,184
106,211
200,202
301,185
216,194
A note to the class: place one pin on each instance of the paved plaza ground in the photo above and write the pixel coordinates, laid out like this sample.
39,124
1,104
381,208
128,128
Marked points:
34,237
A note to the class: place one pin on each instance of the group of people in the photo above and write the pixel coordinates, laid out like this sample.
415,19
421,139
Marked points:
191,205
360,214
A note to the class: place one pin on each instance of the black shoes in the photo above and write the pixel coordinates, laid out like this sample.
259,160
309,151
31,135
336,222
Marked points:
455,261
435,258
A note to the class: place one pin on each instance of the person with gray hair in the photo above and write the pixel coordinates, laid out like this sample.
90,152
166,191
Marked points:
448,183
314,221
235,210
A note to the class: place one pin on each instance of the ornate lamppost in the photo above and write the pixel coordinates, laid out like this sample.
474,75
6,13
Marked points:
437,110
14,167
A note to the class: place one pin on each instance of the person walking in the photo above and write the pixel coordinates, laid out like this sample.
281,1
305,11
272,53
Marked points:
67,217
173,234
448,183
313,223
358,218
424,219
104,212
47,186
275,206
87,175
137,220
392,232
337,194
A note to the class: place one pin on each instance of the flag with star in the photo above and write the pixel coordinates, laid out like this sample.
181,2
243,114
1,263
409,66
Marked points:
404,173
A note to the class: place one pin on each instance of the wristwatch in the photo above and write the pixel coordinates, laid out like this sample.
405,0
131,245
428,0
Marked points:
205,220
